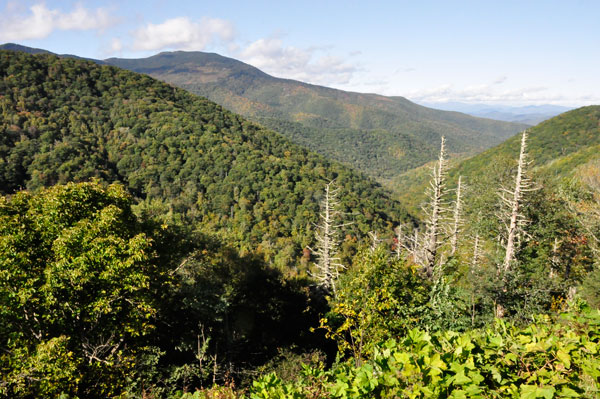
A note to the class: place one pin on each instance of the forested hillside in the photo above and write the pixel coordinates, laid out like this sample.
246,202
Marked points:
183,156
573,132
380,136
557,147
155,245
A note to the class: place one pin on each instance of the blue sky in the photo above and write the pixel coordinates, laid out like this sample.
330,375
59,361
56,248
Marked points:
496,52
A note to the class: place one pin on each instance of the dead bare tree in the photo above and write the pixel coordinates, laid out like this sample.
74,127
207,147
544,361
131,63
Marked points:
375,240
102,349
400,240
411,244
435,210
476,254
554,261
328,264
473,269
515,221
457,224
513,199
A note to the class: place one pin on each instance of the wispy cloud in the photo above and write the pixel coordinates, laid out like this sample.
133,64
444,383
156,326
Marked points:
273,57
313,64
116,45
182,33
500,80
40,21
490,93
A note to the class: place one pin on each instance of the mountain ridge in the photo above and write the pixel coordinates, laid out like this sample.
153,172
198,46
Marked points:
528,114
382,136
378,135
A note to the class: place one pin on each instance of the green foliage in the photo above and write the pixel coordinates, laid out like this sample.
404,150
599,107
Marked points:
590,288
90,299
76,290
230,310
383,136
378,298
550,358
71,120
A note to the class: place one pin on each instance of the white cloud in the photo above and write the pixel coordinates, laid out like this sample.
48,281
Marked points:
490,93
40,22
116,45
182,33
271,56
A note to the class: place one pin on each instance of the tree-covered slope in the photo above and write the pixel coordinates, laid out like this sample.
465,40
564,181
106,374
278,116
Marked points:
556,148
381,136
33,50
562,136
183,156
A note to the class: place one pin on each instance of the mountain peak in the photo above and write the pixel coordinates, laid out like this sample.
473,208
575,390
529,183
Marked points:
24,49
208,67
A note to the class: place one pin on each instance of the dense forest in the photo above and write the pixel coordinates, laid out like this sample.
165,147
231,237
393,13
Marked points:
382,136
181,155
155,245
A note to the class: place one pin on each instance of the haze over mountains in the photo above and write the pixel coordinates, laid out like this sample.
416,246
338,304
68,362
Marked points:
529,114
380,136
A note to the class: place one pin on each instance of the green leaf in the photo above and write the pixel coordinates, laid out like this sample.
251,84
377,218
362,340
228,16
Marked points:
533,391
564,358
567,392
545,392
460,378
458,394
437,363
528,392
496,375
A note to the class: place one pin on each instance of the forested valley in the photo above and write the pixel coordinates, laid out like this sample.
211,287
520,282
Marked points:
156,245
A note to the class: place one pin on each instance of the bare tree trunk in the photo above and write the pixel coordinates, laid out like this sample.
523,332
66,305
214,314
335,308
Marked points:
413,245
476,254
554,260
457,218
474,266
438,190
375,240
400,240
328,264
515,204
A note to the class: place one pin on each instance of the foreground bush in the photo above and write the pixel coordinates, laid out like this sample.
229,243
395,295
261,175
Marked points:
551,358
